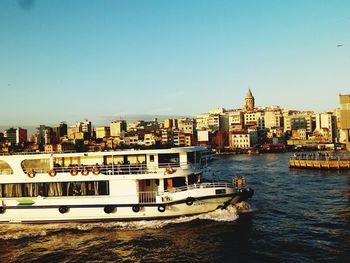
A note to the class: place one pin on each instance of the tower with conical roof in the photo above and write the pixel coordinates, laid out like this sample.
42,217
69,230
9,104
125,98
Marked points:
249,101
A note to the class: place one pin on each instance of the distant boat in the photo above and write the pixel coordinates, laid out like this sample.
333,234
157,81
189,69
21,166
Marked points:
272,148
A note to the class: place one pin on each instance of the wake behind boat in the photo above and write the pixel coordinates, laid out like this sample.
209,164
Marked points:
116,185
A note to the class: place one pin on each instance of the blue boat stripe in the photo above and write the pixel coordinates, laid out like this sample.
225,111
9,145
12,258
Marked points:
124,205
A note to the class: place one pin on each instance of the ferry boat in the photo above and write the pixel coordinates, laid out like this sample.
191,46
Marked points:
111,185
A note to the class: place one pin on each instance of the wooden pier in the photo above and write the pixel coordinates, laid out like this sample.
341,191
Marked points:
320,164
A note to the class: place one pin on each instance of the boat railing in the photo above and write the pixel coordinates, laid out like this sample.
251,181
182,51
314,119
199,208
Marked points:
6,171
198,186
319,156
147,197
112,169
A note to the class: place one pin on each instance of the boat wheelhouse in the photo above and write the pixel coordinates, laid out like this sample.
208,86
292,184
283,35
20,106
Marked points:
113,185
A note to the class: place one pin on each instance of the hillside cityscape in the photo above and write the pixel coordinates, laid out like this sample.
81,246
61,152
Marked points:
247,129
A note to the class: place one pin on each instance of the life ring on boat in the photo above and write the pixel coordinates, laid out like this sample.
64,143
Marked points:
2,209
189,201
239,182
31,173
109,209
85,171
96,170
136,208
63,209
73,171
161,208
52,172
169,169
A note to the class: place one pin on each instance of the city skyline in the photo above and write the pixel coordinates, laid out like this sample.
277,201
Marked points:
71,60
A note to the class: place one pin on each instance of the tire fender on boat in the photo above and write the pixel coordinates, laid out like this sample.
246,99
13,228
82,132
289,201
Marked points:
109,209
2,210
189,201
136,208
63,209
161,208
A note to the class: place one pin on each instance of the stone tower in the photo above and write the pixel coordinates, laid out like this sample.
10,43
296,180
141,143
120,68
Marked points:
249,101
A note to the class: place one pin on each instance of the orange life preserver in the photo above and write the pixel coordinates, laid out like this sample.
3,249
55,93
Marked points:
169,169
73,171
31,173
96,170
52,172
240,182
85,171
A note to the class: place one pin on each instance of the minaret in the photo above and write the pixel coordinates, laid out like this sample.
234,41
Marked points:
249,101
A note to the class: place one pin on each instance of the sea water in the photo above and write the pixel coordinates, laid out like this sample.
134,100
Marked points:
296,216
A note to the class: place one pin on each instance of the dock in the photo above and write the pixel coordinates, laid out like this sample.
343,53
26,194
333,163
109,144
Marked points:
320,161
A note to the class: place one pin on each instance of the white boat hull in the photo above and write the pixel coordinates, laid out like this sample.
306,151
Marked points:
96,212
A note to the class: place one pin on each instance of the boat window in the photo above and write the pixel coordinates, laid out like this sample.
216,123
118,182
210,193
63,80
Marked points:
91,160
193,178
151,158
195,157
114,159
38,165
168,158
136,159
179,181
55,189
5,168
66,161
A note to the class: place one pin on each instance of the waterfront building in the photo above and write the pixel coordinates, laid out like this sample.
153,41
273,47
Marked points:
253,136
254,118
210,120
186,125
179,138
203,137
41,134
299,134
189,140
167,137
168,124
102,132
236,120
273,119
276,135
131,140
344,120
240,139
249,104
16,136
60,131
80,130
117,128
149,139
49,136
299,120
214,122
326,126
72,131
202,121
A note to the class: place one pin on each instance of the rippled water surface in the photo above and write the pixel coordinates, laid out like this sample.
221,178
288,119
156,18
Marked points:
298,216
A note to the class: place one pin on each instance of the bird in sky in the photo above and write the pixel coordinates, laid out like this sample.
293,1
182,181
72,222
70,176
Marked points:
340,45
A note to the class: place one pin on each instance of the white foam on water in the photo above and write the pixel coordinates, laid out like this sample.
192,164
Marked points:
19,231
228,215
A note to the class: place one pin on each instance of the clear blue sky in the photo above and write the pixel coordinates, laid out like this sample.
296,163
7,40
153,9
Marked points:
69,60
